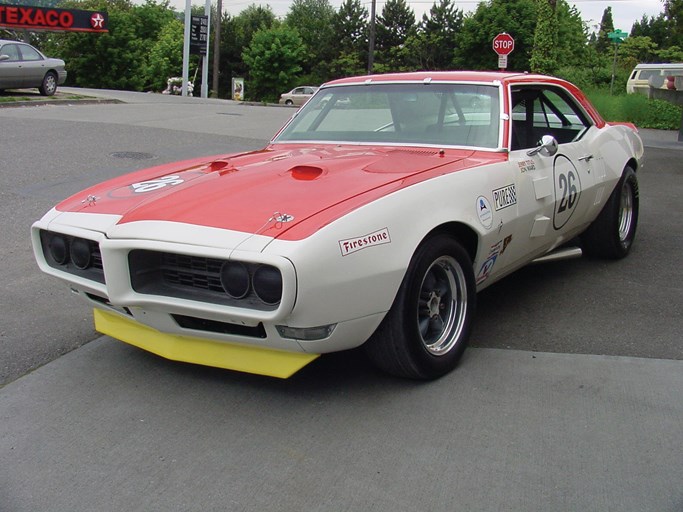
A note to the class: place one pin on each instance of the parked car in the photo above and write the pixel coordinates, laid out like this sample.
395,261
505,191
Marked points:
639,80
297,96
23,66
374,222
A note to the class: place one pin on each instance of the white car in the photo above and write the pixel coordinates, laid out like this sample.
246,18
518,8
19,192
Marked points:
297,96
372,218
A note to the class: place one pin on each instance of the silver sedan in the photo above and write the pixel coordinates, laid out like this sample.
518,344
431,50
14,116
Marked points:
22,66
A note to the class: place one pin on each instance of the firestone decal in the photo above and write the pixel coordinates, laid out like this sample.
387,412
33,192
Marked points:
504,197
484,212
352,245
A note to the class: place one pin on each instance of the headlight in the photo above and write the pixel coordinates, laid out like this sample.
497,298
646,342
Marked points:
80,253
267,283
58,248
235,279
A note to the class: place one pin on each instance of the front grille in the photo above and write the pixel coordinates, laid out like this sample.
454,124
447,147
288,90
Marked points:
184,276
192,271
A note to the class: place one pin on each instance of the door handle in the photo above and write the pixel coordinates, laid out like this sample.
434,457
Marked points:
587,158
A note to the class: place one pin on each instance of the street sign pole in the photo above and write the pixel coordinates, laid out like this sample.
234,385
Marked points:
205,57
617,37
186,47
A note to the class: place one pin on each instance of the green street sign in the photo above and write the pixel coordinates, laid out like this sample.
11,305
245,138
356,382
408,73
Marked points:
617,37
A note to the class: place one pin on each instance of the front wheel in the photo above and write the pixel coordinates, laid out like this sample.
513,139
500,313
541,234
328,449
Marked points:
427,328
611,235
49,85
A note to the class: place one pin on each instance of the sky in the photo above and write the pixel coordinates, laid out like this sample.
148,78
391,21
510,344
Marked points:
624,12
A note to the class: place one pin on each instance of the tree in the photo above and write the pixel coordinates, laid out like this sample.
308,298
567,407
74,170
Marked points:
166,56
544,53
313,20
437,35
516,17
118,59
603,44
274,60
674,13
350,25
393,27
656,28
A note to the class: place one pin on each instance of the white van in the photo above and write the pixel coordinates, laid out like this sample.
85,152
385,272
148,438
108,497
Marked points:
639,79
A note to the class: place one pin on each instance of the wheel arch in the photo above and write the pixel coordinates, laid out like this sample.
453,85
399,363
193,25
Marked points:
633,164
464,233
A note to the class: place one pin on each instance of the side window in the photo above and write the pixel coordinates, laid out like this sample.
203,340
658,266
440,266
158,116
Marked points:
28,53
539,111
298,90
11,50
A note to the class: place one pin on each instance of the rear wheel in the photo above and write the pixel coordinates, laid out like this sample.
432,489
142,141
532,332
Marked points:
49,85
611,235
427,328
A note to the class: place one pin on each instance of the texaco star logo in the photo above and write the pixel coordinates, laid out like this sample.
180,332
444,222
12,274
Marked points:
97,20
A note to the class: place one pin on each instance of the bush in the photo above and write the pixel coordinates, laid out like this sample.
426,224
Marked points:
636,109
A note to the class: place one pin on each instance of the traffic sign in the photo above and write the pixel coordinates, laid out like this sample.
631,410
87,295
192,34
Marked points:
503,44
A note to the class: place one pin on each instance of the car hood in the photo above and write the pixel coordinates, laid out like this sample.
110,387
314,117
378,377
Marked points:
269,191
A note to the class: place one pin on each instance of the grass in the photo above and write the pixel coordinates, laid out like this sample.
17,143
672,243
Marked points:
22,96
636,109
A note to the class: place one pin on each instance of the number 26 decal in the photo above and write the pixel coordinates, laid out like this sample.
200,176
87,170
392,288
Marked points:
567,190
150,185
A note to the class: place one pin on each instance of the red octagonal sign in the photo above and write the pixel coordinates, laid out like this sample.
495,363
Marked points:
503,44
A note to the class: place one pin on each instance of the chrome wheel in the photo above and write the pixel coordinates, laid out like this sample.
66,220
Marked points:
442,306
426,331
625,211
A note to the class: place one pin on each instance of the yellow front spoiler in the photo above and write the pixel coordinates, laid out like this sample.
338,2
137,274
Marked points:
243,358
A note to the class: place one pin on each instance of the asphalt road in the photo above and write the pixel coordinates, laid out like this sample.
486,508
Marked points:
580,410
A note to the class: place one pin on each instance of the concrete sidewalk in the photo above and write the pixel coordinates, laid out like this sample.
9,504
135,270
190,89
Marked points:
111,428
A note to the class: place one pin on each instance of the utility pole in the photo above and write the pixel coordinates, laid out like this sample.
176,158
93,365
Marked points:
371,49
217,47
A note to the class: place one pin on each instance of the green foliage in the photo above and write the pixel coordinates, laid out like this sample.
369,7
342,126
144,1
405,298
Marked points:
636,109
393,27
166,56
544,52
119,59
516,17
350,26
274,60
313,20
603,44
436,38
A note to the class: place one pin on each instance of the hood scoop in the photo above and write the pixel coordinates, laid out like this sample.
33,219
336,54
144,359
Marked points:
306,172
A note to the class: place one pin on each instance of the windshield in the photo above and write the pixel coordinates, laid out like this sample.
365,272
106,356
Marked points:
405,113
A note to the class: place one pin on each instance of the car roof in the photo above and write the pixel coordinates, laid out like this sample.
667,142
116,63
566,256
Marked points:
3,41
493,77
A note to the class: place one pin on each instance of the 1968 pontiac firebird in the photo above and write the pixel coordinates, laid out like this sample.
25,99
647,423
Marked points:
372,218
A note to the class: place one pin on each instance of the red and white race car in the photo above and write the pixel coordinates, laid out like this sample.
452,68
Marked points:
373,217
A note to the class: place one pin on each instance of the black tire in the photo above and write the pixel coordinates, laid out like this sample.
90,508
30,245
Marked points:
611,235
289,102
49,85
426,331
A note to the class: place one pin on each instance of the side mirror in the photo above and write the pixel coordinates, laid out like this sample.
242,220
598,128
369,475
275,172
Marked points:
547,146
4,57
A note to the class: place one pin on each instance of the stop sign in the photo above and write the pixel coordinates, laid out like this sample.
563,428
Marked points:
503,44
